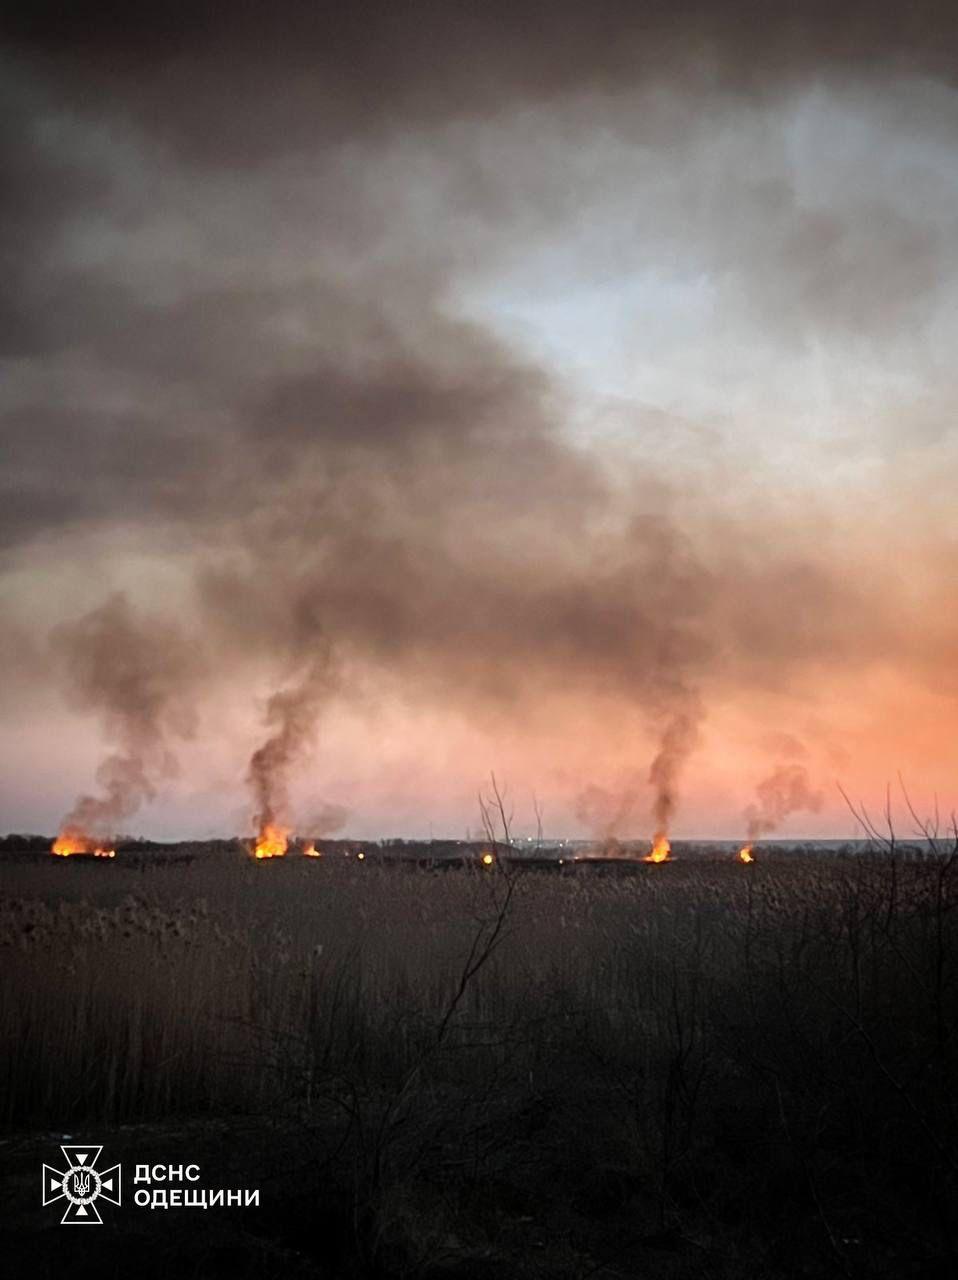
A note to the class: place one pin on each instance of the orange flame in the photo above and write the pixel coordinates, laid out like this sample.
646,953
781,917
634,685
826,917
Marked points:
661,850
310,851
70,842
65,845
745,853
487,859
271,841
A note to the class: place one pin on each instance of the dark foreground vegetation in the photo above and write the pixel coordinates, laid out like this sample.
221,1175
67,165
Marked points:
705,1069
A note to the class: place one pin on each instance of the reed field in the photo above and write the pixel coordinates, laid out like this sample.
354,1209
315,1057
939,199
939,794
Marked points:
701,1069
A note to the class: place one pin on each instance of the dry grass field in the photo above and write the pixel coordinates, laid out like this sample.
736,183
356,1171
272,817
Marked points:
702,1069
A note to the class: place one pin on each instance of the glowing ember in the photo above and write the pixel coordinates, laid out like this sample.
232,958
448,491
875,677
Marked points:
745,853
271,842
487,859
71,841
661,850
360,855
310,851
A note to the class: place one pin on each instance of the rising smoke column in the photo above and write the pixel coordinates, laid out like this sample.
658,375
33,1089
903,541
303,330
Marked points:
785,791
607,812
678,741
292,713
136,673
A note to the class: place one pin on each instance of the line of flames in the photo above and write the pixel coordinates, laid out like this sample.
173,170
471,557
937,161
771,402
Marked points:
273,842
308,850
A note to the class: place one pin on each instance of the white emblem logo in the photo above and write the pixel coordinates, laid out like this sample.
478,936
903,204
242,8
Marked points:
81,1185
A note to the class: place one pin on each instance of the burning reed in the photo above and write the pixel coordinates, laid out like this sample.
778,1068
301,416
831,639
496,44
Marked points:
701,1030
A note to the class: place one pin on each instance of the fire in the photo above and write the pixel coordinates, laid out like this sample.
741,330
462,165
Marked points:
310,851
745,853
71,842
661,850
271,841
487,859
65,845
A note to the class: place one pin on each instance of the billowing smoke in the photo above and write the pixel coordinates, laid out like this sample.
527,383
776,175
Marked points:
136,673
678,742
438,360
292,713
606,812
785,791
326,820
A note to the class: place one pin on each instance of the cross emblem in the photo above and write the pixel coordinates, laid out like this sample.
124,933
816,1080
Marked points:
81,1185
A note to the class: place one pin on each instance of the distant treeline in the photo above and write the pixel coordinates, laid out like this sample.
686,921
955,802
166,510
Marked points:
17,842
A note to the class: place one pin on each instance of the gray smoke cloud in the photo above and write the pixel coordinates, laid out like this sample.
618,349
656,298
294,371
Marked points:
133,672
606,813
235,332
292,714
785,791
678,742
325,821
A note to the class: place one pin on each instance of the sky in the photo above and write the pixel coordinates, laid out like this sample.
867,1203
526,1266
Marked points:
393,394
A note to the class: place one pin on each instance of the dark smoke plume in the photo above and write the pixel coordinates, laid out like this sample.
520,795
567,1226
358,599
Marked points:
678,742
135,672
786,791
607,813
292,713
245,317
